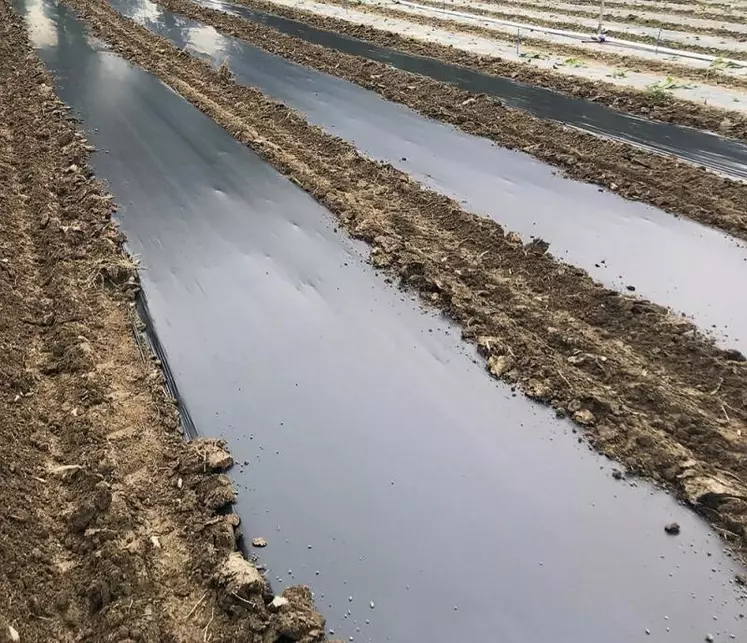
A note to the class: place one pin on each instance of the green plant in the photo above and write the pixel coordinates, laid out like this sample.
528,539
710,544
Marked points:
574,62
618,73
667,85
720,63
533,55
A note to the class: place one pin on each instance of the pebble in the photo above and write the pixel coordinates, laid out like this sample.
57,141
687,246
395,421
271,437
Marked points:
709,638
371,605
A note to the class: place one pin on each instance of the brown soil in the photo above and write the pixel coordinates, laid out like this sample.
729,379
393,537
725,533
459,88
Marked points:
676,187
710,11
606,54
635,16
109,529
648,389
653,105
455,26
575,26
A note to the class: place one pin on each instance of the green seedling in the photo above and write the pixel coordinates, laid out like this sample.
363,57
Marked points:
720,63
533,55
574,62
667,85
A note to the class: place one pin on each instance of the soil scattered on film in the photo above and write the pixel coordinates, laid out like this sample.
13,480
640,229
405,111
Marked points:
676,187
112,527
645,386
657,106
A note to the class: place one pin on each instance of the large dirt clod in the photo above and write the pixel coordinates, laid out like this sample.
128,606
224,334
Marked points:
205,455
297,620
238,577
216,491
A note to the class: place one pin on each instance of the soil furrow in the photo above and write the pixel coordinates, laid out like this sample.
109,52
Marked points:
456,26
712,11
109,528
648,388
653,105
676,187
634,16
575,26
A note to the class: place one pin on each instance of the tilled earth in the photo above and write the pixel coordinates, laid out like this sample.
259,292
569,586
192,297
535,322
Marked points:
677,187
572,23
434,19
112,527
645,386
667,18
654,105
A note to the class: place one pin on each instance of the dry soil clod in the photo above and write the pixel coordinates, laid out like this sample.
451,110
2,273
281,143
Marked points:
673,528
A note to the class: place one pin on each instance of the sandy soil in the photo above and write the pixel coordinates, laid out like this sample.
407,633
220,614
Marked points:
581,82
658,16
683,6
476,21
109,530
693,36
628,171
643,72
728,12
645,386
